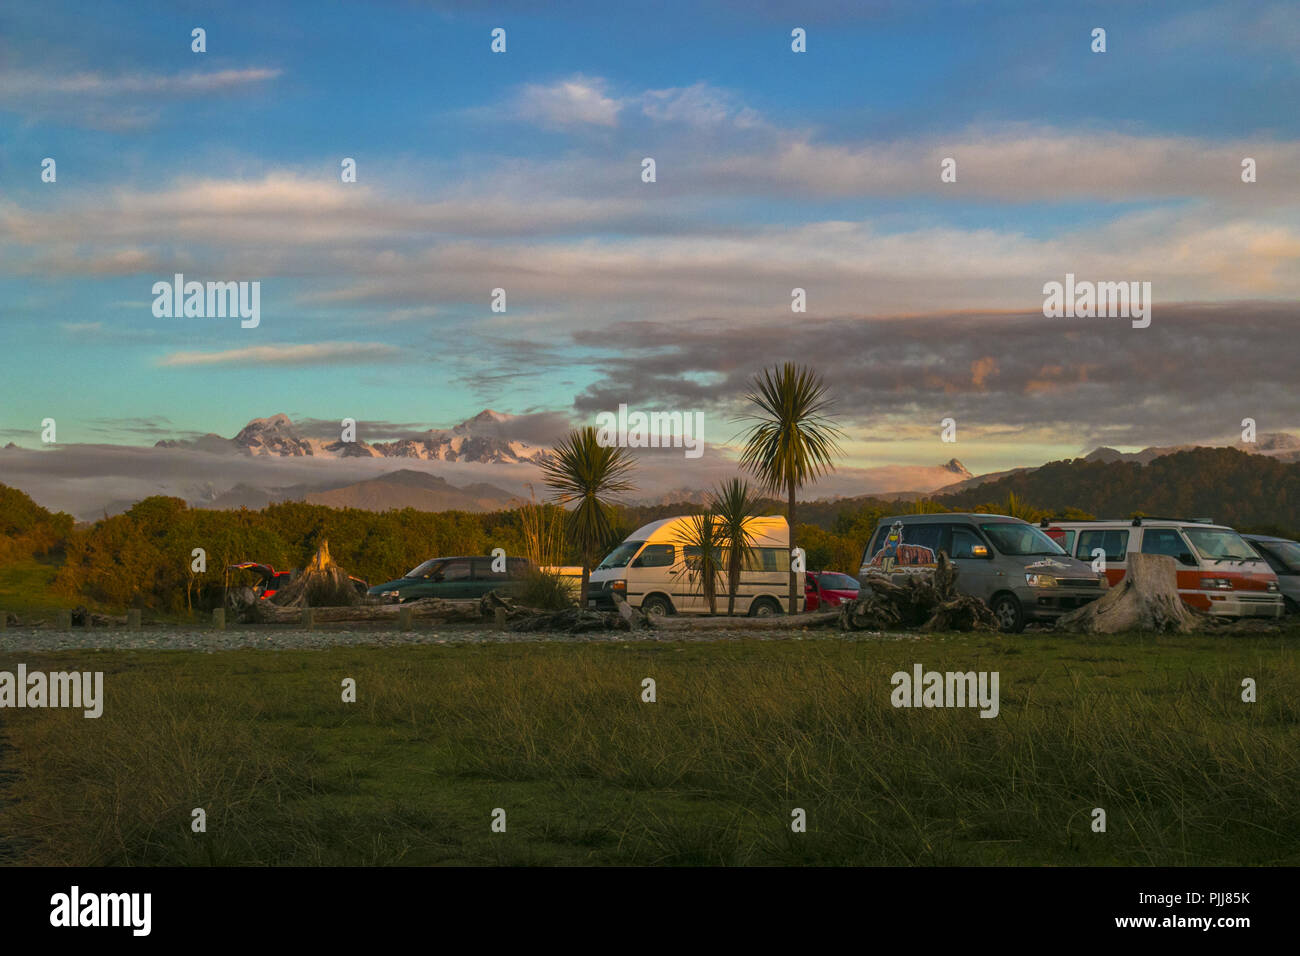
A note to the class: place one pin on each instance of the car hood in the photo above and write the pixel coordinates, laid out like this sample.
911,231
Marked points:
1061,565
394,585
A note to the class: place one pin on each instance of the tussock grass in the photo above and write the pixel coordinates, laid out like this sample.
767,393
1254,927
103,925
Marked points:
1151,730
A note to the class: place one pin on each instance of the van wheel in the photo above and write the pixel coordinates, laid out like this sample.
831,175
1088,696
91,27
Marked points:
1010,615
657,604
764,607
1289,606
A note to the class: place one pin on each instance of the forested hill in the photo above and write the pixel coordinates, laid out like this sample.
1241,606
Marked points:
1230,486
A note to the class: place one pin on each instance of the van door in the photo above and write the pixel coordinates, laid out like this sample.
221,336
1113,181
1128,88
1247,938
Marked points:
973,559
453,580
484,579
652,570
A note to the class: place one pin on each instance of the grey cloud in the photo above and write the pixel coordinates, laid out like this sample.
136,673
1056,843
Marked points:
1193,375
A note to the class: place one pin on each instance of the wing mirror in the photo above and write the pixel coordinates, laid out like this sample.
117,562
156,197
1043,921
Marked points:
979,551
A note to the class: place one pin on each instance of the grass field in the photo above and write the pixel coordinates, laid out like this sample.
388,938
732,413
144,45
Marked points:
1152,730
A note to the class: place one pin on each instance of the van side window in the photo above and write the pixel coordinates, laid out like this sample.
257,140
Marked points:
691,555
1114,543
926,535
874,544
454,571
964,541
763,559
1166,541
656,556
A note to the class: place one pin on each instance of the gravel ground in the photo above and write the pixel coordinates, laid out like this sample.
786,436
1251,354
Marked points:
206,639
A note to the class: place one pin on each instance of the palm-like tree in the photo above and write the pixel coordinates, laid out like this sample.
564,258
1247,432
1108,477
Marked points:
703,541
584,471
734,503
791,441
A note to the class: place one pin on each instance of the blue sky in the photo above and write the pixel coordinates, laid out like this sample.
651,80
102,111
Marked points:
775,169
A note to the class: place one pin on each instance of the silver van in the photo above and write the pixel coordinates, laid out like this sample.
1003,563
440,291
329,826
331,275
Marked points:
1016,569
1283,556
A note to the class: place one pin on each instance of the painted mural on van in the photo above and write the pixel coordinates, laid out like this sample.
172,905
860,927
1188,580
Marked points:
898,556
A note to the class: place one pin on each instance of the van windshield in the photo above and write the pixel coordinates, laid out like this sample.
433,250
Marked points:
424,570
1020,539
620,556
1219,544
1288,552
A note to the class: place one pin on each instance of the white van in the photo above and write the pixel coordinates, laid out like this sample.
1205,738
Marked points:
650,569
1218,572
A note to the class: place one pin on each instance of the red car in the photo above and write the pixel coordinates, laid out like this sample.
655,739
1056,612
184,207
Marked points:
269,579
829,588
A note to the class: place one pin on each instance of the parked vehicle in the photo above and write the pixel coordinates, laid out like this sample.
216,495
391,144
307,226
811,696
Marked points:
1219,572
828,589
653,571
1283,556
267,579
1016,569
455,578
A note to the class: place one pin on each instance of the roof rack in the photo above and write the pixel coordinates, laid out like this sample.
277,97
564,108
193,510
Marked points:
1135,522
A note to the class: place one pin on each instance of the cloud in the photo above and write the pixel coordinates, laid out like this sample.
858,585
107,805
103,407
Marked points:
25,85
615,257
1014,163
324,353
1080,383
122,102
584,101
576,101
699,105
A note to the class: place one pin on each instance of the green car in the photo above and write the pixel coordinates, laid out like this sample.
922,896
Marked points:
460,578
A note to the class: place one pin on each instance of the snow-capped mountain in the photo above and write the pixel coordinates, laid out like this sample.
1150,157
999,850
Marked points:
484,438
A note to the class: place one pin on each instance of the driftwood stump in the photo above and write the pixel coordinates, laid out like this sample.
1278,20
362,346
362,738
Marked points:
1146,600
321,584
928,601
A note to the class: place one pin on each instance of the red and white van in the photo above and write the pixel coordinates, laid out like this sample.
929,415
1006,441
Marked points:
1218,571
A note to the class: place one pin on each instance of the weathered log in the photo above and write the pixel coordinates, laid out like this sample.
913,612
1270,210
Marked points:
1146,600
927,600
571,620
425,609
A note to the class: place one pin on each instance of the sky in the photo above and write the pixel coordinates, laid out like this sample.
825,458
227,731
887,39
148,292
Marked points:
775,170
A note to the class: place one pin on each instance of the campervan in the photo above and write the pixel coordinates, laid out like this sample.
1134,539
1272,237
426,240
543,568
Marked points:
1218,572
1013,567
657,570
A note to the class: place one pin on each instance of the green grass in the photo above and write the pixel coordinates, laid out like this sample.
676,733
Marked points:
1153,730
26,589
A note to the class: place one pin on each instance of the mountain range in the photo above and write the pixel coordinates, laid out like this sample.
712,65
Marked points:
484,438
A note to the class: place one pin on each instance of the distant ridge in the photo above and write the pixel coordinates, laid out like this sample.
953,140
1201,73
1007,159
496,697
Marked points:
485,438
